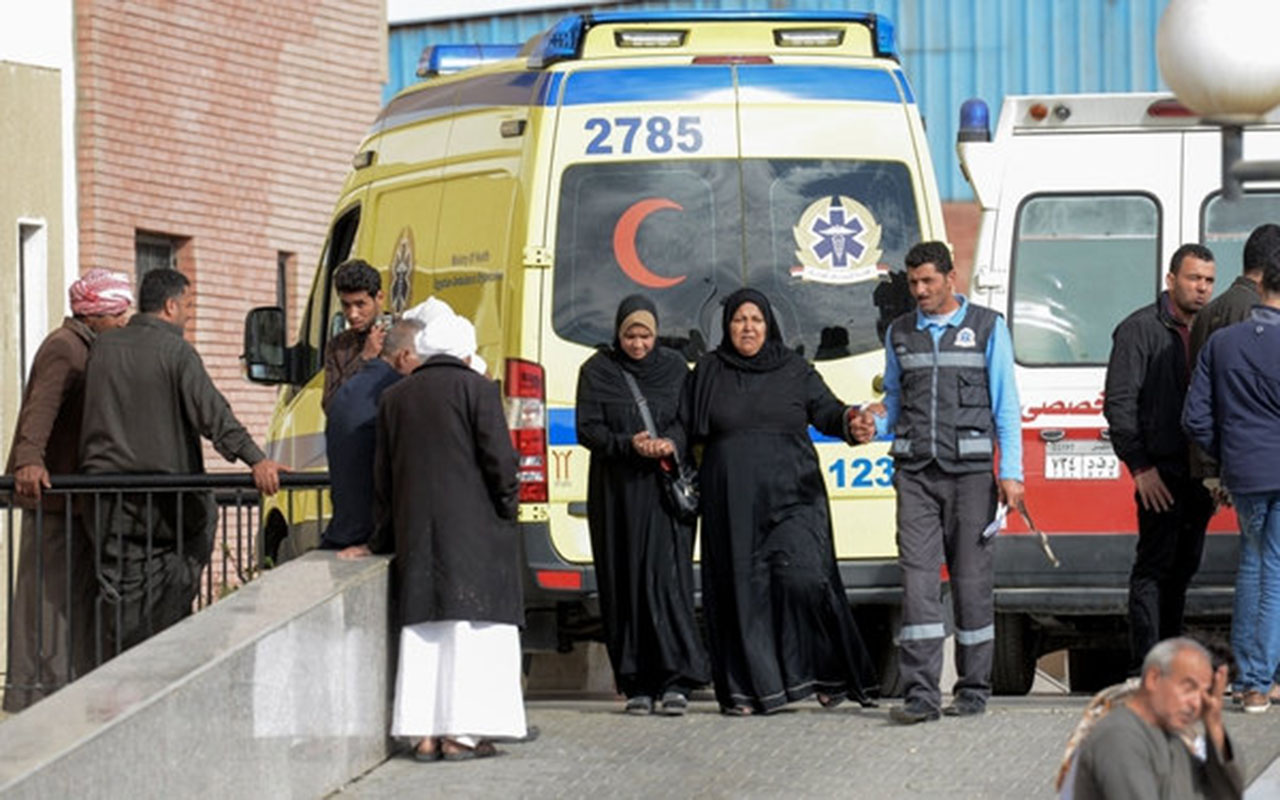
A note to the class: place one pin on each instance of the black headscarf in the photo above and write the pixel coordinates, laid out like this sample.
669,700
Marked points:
644,368
772,354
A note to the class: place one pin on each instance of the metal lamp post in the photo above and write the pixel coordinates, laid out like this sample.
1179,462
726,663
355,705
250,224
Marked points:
1222,60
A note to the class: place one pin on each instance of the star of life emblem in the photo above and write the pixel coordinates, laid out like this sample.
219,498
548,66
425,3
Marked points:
402,271
837,241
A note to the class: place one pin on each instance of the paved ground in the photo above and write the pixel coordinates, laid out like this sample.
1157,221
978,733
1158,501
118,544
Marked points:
589,749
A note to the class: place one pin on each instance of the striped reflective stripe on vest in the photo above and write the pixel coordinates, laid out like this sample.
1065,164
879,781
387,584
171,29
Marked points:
944,359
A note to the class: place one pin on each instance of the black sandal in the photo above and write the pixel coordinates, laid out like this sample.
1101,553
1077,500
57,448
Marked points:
737,711
484,749
830,700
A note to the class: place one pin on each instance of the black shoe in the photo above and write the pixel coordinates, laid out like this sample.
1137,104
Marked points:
640,705
674,704
911,713
966,705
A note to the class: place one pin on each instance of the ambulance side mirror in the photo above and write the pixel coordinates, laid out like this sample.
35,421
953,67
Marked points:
265,356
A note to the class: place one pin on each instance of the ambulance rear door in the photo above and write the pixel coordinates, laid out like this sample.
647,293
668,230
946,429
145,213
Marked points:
1086,222
837,186
646,195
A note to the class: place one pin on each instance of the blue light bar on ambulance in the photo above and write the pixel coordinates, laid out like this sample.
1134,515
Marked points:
443,59
975,121
563,41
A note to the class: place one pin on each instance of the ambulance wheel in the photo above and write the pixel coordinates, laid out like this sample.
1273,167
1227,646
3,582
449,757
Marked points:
1091,669
1014,666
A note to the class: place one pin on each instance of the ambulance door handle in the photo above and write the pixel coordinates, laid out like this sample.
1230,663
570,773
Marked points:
877,384
577,509
1053,434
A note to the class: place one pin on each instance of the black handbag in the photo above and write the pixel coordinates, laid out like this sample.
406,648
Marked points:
679,478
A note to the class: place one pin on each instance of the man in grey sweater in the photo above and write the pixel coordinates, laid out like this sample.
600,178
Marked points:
1135,752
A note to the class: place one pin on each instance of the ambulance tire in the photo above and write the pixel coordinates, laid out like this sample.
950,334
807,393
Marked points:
1013,668
878,626
1092,669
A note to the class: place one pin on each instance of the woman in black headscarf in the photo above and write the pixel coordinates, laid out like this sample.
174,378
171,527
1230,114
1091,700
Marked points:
779,624
643,554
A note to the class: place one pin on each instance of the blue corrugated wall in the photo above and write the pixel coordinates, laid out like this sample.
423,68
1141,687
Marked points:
951,50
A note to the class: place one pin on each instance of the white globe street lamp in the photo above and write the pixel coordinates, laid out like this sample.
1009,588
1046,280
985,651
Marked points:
1222,60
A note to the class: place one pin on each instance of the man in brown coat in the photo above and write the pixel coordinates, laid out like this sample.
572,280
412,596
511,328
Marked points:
52,641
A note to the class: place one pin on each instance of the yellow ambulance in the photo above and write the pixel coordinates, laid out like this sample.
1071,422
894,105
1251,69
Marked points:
678,154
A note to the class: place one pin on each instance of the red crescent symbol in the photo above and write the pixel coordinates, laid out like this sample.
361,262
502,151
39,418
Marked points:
624,243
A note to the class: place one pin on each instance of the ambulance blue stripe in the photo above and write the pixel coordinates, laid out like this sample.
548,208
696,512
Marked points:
562,429
642,84
818,83
905,85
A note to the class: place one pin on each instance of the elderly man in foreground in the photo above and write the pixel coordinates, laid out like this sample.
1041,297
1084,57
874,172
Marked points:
1135,752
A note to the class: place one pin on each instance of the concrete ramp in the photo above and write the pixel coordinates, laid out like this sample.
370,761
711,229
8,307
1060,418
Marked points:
281,690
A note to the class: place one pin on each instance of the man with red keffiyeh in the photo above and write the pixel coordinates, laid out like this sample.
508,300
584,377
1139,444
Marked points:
46,442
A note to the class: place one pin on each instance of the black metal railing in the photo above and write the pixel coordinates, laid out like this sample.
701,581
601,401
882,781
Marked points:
106,560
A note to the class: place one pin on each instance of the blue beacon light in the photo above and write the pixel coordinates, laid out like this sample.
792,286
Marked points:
975,121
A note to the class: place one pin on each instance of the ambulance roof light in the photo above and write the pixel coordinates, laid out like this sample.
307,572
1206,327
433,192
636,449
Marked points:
808,37
650,37
443,59
563,40
975,121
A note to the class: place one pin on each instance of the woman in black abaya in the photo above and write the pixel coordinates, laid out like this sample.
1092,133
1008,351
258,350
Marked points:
779,624
643,554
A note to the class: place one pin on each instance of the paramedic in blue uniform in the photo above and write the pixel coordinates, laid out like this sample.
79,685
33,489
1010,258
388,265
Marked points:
950,401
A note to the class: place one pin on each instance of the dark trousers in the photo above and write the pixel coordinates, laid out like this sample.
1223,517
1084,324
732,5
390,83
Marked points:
941,517
52,609
1170,544
150,560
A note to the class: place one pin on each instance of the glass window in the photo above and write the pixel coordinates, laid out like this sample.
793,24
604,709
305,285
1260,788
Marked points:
835,236
317,323
1226,226
1081,264
670,231
822,239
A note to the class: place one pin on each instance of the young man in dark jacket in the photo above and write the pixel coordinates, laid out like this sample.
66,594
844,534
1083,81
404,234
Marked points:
1233,412
1146,384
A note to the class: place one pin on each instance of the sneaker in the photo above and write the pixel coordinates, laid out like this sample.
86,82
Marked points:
640,705
1255,702
674,704
966,705
911,713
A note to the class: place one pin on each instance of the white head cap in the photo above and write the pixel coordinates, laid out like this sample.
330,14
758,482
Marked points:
428,310
450,335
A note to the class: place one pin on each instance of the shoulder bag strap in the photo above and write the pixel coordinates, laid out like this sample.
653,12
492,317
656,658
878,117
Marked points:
643,405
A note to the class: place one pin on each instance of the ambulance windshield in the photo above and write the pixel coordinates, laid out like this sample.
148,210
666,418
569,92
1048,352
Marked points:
823,239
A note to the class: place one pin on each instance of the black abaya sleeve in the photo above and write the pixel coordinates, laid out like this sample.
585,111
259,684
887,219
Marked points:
593,429
826,412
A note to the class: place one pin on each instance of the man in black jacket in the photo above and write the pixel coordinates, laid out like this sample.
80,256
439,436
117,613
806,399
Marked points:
1147,381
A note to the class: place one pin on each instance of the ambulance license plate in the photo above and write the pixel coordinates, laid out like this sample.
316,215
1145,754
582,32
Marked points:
1077,460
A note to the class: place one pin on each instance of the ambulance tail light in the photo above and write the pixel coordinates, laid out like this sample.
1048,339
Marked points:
732,60
526,408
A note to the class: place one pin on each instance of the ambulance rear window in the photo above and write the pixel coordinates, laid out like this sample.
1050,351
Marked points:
821,238
1081,264
1225,227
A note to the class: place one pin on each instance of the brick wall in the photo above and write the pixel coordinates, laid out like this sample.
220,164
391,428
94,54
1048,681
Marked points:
229,125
